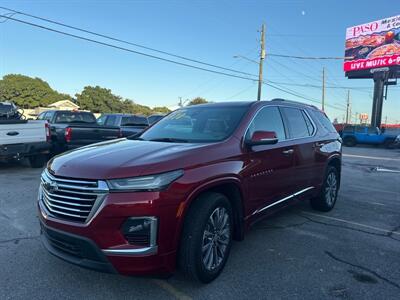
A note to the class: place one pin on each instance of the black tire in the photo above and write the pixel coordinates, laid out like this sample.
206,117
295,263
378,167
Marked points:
326,199
349,141
37,161
191,260
389,144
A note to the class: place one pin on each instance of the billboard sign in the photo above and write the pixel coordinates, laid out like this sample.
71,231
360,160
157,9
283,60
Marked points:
373,45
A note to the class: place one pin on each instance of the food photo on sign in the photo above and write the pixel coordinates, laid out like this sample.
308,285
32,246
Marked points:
375,44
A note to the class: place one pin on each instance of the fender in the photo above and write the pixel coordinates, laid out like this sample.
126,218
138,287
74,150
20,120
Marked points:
196,192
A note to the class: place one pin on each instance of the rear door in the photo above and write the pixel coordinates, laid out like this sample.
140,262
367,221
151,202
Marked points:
270,166
301,130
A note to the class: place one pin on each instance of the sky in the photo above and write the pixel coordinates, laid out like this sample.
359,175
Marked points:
217,32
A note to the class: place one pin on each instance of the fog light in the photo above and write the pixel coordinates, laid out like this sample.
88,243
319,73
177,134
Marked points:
140,231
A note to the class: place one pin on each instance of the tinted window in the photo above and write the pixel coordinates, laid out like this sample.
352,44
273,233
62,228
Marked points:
49,115
372,130
111,121
268,119
134,120
101,119
326,123
41,116
197,124
153,119
296,123
360,129
309,124
348,129
75,117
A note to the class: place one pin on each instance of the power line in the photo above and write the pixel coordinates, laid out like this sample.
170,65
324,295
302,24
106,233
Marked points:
130,50
294,93
309,57
319,86
127,42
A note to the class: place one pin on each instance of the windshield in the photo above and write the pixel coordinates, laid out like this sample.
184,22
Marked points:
196,125
75,117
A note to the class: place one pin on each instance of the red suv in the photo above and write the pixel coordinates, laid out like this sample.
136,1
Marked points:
179,193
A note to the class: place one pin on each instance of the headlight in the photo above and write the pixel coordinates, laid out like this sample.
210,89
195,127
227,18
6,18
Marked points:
145,183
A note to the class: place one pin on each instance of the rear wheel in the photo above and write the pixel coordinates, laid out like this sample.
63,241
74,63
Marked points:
389,144
207,237
326,199
349,141
37,161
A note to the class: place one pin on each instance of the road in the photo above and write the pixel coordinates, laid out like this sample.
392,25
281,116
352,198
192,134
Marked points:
351,252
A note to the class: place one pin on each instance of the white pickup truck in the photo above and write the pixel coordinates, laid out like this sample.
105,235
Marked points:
20,139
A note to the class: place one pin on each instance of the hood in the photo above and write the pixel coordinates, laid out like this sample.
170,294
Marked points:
122,158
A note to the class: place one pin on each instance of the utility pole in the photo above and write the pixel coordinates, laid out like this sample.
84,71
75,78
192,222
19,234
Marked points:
323,90
348,107
385,120
262,57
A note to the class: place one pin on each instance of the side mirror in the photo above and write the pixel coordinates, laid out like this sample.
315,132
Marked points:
262,138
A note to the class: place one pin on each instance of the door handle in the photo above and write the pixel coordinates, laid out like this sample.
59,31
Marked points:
288,152
12,133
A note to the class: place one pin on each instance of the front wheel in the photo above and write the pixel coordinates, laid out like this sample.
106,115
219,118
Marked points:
326,199
37,161
207,237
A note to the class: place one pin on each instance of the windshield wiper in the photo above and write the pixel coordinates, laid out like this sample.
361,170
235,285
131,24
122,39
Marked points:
170,140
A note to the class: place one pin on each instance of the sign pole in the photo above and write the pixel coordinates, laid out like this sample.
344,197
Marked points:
380,79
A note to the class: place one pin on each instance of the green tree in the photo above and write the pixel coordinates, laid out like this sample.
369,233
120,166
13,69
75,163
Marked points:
100,100
28,92
197,100
161,109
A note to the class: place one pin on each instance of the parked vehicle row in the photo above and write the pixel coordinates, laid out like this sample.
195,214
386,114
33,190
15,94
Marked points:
57,131
178,194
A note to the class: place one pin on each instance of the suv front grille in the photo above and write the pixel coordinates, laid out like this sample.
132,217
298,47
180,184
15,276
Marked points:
70,199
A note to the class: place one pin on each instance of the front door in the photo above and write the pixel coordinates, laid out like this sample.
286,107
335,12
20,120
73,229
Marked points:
269,167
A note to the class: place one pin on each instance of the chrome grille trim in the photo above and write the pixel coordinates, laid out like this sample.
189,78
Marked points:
70,199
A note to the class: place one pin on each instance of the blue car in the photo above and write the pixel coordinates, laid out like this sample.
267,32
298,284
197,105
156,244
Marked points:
353,135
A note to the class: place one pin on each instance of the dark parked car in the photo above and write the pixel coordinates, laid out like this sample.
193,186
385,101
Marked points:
73,129
129,124
190,184
154,118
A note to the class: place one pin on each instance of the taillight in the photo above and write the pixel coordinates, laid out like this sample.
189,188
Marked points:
68,134
47,129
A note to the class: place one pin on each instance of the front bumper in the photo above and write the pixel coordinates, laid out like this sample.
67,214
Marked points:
109,251
75,249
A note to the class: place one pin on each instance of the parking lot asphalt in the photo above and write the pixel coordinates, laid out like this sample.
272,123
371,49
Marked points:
352,252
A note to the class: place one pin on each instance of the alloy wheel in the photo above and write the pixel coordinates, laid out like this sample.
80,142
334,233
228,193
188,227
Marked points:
331,189
216,238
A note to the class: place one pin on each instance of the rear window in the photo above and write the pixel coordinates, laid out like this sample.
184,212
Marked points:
134,120
296,123
75,117
325,122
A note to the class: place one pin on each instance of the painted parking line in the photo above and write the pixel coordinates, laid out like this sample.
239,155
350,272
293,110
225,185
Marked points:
365,188
371,157
351,223
171,289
